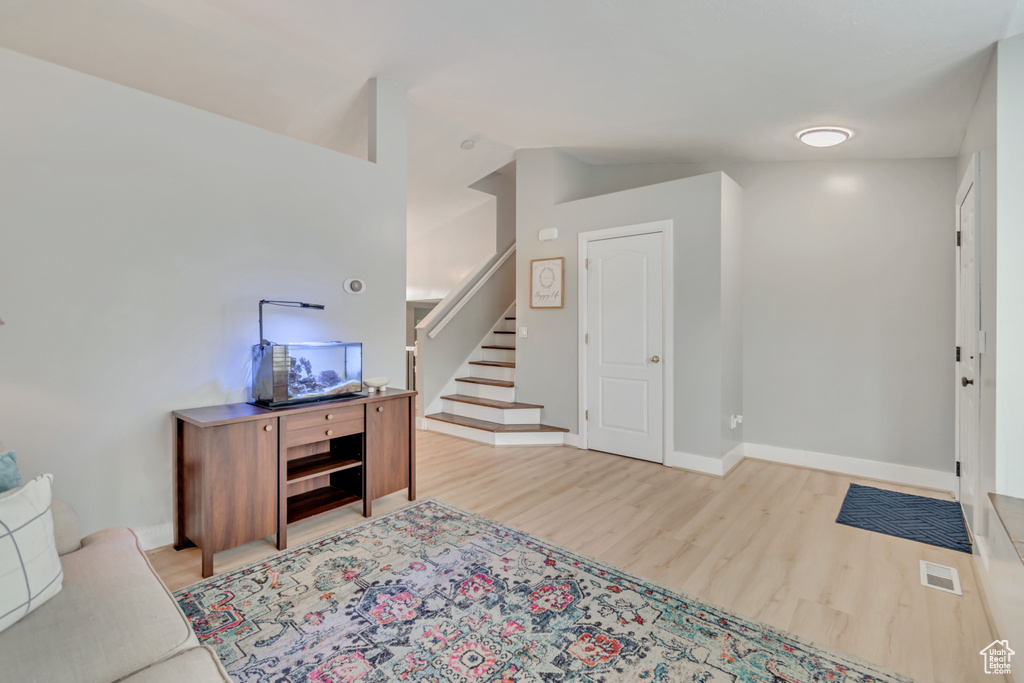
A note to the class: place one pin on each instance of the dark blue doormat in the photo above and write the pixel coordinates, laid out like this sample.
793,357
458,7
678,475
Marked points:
927,520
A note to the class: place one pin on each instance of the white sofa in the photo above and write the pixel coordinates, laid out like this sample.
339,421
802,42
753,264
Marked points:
113,620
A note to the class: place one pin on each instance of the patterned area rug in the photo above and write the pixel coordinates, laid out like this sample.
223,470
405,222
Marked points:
917,518
433,593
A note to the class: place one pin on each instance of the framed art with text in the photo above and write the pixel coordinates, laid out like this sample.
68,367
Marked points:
547,279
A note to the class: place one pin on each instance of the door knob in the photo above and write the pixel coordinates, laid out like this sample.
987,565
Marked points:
964,381
655,359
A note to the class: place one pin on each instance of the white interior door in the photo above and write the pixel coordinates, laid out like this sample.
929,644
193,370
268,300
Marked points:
968,378
625,374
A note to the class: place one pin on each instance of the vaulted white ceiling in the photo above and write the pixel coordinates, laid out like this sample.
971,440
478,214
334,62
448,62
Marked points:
610,81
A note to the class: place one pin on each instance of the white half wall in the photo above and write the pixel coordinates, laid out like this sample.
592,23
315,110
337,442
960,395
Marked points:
706,254
138,236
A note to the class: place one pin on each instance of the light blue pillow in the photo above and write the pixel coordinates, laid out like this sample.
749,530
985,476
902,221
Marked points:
10,475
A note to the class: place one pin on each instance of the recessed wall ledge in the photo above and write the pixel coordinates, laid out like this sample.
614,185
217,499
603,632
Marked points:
1011,513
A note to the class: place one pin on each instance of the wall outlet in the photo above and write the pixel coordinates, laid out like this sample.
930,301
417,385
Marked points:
522,331
735,421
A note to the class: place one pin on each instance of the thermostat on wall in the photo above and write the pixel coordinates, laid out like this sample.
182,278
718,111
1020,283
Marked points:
355,286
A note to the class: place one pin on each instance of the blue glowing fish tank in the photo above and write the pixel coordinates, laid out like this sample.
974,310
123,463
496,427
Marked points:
286,374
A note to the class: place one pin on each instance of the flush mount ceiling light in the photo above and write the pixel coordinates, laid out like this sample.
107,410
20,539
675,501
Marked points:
467,145
824,136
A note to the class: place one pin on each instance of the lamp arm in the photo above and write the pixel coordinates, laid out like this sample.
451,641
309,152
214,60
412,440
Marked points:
287,304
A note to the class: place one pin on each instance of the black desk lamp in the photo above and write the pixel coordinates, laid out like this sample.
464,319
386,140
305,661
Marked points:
288,304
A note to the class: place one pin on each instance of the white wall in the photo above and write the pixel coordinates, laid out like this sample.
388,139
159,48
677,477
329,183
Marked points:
546,360
1010,273
439,260
848,309
993,133
502,184
848,283
136,237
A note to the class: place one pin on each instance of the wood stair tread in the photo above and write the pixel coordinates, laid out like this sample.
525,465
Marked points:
500,348
490,382
502,405
492,363
494,427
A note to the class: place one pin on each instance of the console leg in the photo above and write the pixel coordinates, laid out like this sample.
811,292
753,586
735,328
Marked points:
207,563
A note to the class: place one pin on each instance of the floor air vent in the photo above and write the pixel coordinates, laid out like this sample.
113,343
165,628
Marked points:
940,577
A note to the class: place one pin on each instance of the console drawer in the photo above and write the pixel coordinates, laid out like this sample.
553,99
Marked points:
327,417
323,432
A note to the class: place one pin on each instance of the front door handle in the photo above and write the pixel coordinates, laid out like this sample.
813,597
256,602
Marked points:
655,359
964,381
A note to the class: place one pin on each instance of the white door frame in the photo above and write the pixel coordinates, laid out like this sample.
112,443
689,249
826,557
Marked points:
665,227
972,177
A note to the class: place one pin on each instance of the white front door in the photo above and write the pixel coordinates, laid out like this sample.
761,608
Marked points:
624,325
968,376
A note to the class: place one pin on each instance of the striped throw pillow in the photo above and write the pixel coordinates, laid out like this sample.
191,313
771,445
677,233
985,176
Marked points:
30,571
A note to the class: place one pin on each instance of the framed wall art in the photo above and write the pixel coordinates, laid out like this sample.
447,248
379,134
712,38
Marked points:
547,280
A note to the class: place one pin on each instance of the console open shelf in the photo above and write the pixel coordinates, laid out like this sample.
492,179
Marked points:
318,500
318,465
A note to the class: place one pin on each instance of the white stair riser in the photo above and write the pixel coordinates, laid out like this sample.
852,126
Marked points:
501,340
529,439
512,416
493,438
486,391
491,372
459,430
499,355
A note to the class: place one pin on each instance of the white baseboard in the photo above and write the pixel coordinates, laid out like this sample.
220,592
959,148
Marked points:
705,464
573,440
840,464
155,535
857,467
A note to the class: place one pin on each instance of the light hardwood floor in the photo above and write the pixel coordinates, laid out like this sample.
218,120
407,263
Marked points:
761,542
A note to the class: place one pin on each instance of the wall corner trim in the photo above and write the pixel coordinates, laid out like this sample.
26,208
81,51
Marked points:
703,464
732,458
574,440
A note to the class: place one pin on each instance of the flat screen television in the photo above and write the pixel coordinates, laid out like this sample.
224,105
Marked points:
287,374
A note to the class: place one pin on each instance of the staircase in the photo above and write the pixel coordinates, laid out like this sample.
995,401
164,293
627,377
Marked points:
484,407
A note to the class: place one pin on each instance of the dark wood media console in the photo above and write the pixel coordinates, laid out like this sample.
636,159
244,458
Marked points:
242,472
